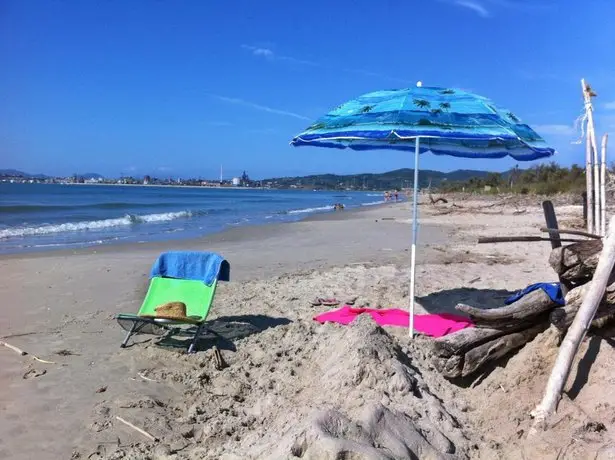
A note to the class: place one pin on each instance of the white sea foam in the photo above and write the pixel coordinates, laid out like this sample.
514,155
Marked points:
129,219
303,211
373,203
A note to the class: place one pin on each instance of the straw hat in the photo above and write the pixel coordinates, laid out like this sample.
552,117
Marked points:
173,310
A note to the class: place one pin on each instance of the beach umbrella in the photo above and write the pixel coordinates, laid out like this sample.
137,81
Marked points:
443,121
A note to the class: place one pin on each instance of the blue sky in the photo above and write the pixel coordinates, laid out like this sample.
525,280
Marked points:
176,88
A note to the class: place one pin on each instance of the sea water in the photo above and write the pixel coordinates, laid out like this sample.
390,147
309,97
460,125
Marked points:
36,217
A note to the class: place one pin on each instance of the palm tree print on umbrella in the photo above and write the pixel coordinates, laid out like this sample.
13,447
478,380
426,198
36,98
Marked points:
445,105
447,91
421,103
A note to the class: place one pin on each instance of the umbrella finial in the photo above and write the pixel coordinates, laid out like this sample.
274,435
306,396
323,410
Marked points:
419,83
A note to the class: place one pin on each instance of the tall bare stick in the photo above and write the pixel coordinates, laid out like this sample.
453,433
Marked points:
597,188
589,177
605,140
578,329
591,133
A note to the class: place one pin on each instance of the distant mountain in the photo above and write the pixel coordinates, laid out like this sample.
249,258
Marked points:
87,176
392,179
16,173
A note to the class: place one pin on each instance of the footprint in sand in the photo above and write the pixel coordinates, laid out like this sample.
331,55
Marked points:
32,373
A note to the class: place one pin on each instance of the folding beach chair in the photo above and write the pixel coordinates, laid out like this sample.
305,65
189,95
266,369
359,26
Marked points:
191,289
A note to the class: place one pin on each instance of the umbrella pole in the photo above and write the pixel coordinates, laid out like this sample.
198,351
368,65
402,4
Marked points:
415,228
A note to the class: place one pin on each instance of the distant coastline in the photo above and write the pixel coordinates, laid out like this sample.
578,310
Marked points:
204,187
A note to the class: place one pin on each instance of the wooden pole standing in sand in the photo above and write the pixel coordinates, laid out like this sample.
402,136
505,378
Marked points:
605,140
577,331
589,177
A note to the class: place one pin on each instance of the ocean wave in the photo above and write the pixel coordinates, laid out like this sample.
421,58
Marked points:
127,220
306,210
26,208
375,194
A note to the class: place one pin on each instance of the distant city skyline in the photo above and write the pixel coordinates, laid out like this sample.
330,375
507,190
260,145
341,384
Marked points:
153,88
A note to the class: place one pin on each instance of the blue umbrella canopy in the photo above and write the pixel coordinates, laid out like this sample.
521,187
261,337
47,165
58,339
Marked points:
447,121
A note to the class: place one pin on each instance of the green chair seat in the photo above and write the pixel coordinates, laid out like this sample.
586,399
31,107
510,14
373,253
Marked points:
197,296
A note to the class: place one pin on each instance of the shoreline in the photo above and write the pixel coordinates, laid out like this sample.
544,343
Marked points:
227,235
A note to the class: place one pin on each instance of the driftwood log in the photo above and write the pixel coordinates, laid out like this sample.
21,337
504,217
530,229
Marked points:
477,357
501,330
465,352
562,317
576,263
524,309
592,299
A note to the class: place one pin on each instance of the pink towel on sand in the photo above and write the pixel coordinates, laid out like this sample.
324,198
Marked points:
432,325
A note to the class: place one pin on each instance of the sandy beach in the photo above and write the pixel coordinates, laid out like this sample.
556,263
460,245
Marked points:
292,388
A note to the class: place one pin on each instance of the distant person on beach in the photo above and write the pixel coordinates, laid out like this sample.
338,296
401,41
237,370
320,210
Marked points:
396,196
386,196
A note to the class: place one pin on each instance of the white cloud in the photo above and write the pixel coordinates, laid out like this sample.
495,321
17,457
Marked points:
474,6
555,130
270,55
262,52
483,7
610,105
262,108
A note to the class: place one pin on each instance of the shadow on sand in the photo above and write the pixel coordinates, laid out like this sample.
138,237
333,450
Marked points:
445,301
223,331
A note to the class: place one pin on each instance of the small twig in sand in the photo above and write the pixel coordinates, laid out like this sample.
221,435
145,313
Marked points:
219,361
474,280
24,353
42,360
21,334
14,348
136,428
146,378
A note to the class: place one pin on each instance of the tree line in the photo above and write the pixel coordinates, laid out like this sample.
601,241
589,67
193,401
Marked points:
543,179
